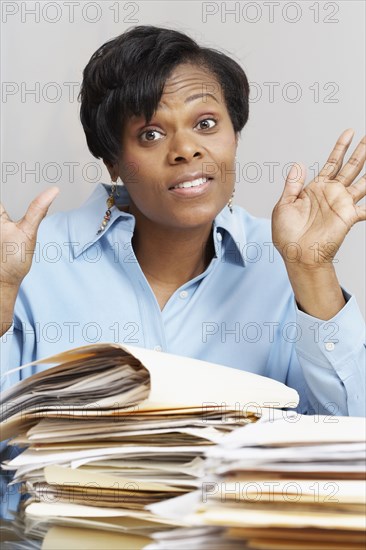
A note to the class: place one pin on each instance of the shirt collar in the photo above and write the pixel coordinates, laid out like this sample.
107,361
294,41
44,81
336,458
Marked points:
231,227
84,222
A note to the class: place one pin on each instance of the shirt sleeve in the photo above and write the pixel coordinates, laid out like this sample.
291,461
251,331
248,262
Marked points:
11,354
332,355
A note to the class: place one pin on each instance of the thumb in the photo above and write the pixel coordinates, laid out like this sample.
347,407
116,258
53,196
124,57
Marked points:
294,183
37,210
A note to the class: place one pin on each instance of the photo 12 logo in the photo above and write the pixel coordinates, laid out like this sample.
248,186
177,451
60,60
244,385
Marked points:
70,12
270,12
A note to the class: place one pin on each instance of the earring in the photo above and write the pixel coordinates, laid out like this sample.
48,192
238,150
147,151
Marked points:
110,203
230,203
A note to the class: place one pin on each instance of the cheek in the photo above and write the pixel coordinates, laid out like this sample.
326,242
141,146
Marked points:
224,158
229,142
137,178
132,170
129,159
224,144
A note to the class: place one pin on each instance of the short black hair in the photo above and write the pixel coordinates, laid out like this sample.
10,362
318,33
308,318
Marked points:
126,76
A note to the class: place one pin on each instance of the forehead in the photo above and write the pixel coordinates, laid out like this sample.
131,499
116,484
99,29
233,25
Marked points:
189,82
186,85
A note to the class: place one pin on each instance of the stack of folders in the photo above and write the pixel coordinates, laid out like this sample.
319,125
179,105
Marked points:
289,482
110,430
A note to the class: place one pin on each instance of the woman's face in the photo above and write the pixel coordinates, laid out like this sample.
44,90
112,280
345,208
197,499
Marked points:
190,137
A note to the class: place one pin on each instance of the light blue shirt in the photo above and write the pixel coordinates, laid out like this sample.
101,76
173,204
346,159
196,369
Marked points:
85,288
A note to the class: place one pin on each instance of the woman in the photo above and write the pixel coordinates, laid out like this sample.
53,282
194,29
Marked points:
164,261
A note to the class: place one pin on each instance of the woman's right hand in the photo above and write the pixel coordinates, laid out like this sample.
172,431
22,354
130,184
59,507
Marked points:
18,239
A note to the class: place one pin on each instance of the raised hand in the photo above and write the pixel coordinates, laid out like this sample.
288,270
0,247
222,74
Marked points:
20,237
310,223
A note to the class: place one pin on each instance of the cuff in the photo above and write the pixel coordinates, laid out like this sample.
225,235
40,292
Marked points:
333,342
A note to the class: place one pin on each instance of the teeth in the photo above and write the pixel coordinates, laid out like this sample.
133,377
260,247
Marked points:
194,183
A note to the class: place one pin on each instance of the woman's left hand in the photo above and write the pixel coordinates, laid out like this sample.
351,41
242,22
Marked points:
310,223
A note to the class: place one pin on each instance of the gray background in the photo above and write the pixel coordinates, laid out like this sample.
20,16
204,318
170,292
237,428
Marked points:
304,60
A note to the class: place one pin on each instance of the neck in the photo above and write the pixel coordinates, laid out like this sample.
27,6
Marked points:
172,257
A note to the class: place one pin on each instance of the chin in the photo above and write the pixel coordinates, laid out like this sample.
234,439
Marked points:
197,217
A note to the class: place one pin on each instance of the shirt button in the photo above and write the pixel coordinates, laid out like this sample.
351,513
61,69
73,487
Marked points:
157,348
219,237
183,294
329,346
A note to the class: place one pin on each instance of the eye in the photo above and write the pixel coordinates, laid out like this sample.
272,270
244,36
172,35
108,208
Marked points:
207,123
149,135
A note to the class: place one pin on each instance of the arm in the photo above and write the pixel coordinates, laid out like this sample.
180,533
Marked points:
332,357
309,225
15,238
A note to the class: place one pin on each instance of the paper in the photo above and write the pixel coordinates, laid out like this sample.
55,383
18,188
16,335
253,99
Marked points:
59,538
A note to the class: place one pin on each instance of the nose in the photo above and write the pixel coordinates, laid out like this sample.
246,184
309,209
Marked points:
183,148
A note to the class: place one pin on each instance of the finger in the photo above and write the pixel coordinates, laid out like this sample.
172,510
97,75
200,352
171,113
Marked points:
37,210
335,159
3,214
361,213
294,183
354,164
358,189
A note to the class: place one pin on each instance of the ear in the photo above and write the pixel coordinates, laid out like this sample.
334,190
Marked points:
112,169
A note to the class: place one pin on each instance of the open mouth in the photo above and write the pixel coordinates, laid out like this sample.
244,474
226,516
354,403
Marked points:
188,184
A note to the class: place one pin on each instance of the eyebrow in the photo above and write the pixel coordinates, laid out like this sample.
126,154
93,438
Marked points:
189,99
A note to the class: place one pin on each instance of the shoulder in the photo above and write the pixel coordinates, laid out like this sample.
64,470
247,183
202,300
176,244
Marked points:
243,227
62,225
252,237
53,226
255,227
